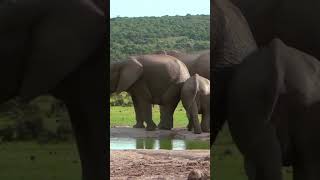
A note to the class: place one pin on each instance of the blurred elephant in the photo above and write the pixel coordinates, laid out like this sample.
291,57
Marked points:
195,98
268,97
150,79
294,22
198,62
274,112
231,42
59,48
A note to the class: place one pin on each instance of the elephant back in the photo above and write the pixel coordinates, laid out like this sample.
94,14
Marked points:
201,66
298,72
162,71
62,43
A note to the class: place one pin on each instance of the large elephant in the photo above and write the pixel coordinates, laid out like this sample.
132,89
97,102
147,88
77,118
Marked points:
294,22
231,42
274,114
59,47
150,79
198,62
195,98
269,99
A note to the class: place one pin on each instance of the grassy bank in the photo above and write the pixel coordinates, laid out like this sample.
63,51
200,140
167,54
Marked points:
125,116
31,161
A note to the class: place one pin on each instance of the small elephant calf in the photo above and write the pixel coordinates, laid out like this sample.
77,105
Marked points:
195,97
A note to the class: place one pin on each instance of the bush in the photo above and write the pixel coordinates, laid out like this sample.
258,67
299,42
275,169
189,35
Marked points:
122,99
7,134
44,119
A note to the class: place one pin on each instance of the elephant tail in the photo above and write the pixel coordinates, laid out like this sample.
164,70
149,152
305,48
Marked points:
195,90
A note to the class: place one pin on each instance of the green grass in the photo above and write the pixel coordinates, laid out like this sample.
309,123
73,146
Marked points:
52,161
125,116
227,162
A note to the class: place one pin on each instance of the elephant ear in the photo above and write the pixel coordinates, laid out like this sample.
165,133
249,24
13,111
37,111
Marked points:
129,73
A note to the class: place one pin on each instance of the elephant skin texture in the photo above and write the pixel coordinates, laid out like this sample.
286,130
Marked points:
294,22
280,119
150,79
272,116
195,98
59,48
231,42
198,62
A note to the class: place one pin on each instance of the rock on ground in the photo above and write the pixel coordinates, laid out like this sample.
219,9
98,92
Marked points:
158,164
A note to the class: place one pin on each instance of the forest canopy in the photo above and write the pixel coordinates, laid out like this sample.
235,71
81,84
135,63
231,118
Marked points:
142,35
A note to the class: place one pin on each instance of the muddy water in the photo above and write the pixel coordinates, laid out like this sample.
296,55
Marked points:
153,143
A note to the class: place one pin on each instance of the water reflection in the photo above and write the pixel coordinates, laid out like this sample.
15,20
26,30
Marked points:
151,143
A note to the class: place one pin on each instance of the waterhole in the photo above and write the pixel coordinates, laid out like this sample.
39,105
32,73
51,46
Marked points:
153,143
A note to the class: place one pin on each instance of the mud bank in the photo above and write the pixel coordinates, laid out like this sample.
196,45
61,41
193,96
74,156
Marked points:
158,164
177,133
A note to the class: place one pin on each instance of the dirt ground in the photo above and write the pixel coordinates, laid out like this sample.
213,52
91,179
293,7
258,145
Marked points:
158,164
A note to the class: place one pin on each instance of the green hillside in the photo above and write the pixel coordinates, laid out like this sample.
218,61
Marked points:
141,35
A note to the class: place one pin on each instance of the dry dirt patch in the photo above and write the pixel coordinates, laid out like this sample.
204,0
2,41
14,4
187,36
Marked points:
158,164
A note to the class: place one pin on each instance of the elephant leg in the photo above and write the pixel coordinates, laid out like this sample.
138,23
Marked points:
139,119
169,101
306,171
306,149
190,124
262,148
144,110
194,118
205,122
166,116
91,139
85,94
256,138
250,169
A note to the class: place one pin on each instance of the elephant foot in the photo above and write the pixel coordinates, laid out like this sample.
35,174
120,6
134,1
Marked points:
189,127
206,130
164,127
197,130
151,126
139,125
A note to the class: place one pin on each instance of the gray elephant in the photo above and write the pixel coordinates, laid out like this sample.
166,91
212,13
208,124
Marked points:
59,48
232,41
278,107
195,98
198,62
150,79
268,97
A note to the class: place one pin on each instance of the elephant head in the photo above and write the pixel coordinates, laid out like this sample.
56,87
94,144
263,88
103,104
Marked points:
232,41
124,74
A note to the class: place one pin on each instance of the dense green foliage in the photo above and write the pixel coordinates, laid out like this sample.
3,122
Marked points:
43,119
142,35
122,99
